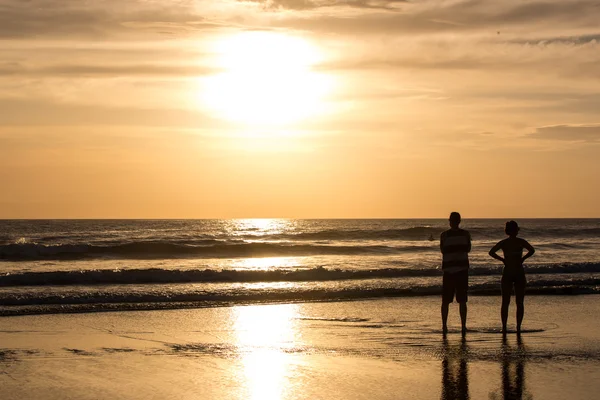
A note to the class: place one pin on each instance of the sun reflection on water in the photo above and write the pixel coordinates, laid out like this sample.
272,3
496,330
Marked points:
266,263
265,335
262,226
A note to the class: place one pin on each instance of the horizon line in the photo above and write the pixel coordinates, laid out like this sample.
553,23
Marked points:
288,218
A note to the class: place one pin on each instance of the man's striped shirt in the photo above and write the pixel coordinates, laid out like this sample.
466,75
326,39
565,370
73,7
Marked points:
455,245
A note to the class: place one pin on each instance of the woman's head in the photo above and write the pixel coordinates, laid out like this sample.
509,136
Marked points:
512,228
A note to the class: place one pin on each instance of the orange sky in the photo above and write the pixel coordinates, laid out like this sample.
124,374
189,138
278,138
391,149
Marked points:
299,108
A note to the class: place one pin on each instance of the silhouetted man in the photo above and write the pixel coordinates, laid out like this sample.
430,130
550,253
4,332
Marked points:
455,244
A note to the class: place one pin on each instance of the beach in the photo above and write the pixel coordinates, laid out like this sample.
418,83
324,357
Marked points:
367,349
288,309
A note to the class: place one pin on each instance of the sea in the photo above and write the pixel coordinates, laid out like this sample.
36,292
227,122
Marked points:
63,266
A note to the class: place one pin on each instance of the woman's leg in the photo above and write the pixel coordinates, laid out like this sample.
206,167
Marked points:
520,298
506,292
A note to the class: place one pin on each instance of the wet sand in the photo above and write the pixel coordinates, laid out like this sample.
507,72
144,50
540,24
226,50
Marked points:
373,349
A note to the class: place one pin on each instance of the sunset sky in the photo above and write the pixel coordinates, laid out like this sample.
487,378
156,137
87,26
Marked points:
299,108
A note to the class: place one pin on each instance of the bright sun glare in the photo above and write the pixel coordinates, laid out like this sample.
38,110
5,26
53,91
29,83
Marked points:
263,336
266,79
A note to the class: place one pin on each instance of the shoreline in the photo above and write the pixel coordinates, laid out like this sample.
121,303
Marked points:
57,309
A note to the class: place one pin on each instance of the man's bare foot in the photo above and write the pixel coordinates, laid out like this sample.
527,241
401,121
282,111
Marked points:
463,331
444,330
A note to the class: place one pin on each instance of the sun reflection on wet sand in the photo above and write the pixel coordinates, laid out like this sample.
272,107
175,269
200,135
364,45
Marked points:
265,336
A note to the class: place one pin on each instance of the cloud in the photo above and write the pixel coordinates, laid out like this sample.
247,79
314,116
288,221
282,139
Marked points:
463,16
571,133
454,55
43,19
16,69
572,40
72,19
315,4
17,112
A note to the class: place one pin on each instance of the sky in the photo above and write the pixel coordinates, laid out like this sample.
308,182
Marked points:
299,108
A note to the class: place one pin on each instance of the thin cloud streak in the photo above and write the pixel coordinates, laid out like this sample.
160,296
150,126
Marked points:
438,17
571,133
15,69
99,19
303,5
50,113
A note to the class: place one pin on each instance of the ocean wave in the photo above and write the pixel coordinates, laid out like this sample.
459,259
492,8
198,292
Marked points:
158,275
40,302
417,233
412,233
144,244
205,249
565,232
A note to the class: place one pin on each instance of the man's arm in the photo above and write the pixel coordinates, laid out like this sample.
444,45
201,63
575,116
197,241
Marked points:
442,236
469,245
493,252
530,250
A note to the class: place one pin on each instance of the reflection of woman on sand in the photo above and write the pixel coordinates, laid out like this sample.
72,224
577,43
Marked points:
513,372
513,272
455,377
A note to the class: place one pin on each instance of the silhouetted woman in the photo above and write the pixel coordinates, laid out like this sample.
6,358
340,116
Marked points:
513,272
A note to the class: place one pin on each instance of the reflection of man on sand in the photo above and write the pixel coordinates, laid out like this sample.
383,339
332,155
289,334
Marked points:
513,372
455,375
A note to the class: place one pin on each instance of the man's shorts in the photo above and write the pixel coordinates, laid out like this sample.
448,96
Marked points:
458,283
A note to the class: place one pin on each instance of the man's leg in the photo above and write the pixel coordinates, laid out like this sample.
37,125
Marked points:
447,298
463,316
445,316
462,288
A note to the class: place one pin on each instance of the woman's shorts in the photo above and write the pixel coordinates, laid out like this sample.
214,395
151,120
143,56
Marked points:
514,277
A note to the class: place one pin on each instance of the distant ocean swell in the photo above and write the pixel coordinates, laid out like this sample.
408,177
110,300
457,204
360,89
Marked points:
425,232
413,233
416,233
163,276
212,249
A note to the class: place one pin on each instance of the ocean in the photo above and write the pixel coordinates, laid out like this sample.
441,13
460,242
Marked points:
55,266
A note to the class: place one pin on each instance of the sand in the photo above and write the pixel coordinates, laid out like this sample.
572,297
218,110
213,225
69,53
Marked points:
373,349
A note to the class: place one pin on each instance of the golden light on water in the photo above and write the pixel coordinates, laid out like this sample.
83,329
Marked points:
267,80
261,226
265,225
266,263
263,335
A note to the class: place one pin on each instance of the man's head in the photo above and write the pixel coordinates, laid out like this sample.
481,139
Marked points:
454,219
512,228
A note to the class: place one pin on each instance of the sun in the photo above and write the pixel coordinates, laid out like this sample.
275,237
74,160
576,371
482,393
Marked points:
267,79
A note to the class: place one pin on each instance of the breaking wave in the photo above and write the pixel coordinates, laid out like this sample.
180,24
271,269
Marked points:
158,275
124,300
